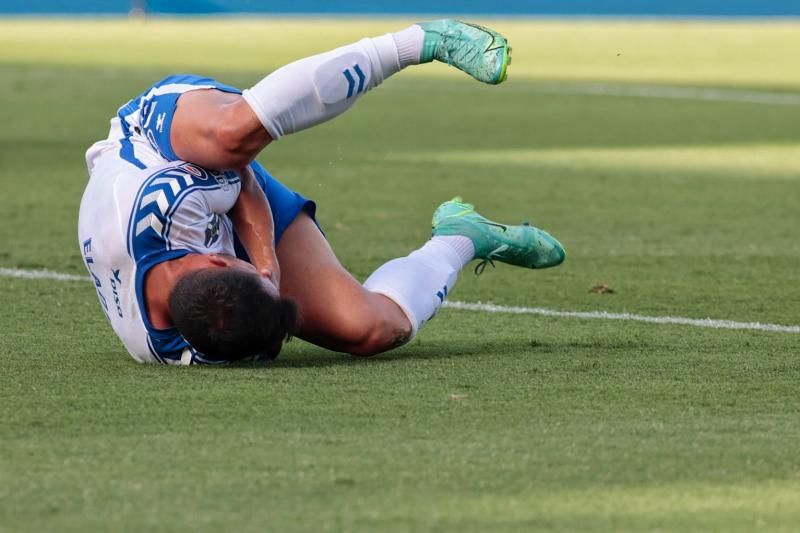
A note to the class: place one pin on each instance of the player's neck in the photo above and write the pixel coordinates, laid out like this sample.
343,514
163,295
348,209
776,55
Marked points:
158,284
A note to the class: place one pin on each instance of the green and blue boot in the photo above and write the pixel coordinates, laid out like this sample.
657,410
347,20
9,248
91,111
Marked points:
523,245
482,53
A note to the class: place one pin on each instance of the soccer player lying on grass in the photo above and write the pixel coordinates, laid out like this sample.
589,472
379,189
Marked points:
200,256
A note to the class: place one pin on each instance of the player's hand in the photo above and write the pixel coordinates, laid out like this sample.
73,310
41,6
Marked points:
271,279
252,220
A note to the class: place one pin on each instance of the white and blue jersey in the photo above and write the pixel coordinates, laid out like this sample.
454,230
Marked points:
140,131
144,206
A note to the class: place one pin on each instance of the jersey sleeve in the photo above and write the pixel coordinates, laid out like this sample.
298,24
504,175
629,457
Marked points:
174,207
200,223
157,108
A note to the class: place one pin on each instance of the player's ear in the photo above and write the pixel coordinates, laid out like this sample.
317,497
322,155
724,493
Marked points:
216,260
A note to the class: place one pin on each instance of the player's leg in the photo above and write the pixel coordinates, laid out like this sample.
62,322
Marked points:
335,311
318,88
403,294
420,282
220,130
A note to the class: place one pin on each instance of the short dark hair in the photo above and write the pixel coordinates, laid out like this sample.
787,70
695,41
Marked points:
227,314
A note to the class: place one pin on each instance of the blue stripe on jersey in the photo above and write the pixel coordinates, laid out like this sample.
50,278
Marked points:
126,149
181,79
198,359
126,153
154,352
167,345
194,79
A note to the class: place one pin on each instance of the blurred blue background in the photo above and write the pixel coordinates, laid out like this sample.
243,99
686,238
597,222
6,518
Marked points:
743,8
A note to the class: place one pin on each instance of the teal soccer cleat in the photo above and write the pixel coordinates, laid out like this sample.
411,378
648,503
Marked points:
482,53
524,245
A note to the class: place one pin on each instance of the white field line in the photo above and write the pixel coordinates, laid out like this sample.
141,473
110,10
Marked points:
40,274
492,308
670,92
604,315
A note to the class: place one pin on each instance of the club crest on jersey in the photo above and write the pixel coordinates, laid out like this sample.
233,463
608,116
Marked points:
212,231
222,179
191,169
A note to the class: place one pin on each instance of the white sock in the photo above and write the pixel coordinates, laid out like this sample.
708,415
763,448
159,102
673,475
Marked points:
462,245
318,88
409,45
420,282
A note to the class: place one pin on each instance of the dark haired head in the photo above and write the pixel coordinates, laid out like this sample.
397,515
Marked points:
227,314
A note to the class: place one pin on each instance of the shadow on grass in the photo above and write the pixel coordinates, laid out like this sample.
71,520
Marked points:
310,356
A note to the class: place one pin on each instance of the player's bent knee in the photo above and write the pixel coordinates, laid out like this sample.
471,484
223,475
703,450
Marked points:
376,345
237,137
368,334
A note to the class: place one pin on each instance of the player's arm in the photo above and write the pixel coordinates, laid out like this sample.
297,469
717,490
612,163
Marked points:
252,219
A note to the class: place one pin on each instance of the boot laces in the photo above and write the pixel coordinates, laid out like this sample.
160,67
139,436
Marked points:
489,259
454,34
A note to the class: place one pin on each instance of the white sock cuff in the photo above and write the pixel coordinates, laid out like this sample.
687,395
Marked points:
461,245
409,45
264,116
441,251
382,51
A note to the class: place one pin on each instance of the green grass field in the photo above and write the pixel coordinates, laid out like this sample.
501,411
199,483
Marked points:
686,207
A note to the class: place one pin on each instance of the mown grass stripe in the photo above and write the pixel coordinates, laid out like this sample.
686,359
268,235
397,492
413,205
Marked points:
670,92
